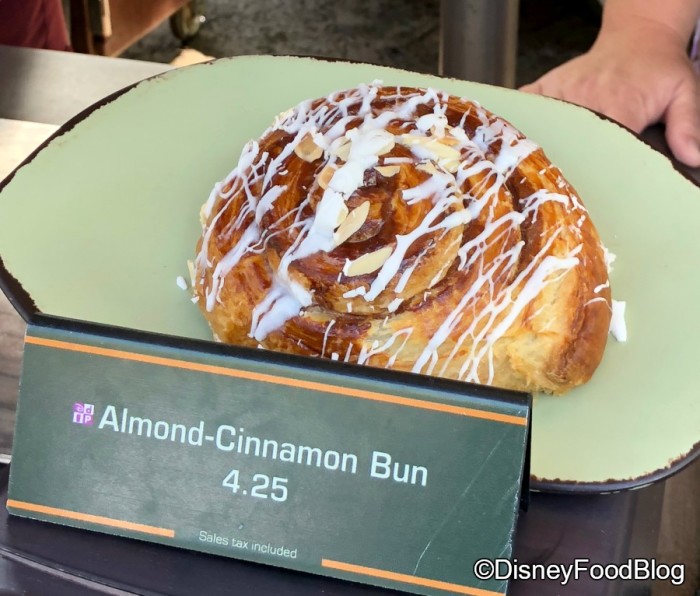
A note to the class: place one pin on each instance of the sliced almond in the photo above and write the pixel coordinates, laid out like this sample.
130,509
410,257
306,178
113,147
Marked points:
388,146
351,223
451,165
443,151
458,133
437,131
342,214
438,147
388,171
192,271
307,149
282,116
324,176
368,263
450,140
428,167
409,139
342,150
434,121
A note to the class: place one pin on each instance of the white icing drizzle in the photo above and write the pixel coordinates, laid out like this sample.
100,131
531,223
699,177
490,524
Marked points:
404,242
601,287
378,347
610,258
394,304
359,291
618,327
513,148
285,300
436,185
348,352
389,161
325,337
452,204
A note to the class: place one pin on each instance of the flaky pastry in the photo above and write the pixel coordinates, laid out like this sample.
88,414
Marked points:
408,229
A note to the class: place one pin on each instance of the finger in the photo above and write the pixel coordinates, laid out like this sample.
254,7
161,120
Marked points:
544,87
535,87
683,125
626,113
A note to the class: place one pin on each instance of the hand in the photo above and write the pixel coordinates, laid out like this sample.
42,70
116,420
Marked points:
637,75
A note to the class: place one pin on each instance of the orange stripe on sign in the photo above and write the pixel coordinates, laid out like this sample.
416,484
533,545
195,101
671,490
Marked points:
265,378
407,579
93,519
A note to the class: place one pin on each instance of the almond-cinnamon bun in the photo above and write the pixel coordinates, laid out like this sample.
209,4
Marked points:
409,229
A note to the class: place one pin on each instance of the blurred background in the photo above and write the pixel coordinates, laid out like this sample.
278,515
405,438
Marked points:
400,33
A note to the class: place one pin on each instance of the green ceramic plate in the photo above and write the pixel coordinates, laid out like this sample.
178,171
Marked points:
98,225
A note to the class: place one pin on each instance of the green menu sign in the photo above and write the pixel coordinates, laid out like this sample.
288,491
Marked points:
392,479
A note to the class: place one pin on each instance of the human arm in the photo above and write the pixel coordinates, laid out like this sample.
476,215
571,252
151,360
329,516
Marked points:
638,71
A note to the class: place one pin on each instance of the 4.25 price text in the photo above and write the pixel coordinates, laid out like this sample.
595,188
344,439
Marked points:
261,486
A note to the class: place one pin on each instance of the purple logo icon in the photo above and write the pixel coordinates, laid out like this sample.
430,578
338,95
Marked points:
83,414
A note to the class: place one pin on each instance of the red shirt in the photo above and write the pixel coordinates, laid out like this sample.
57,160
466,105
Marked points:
33,24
